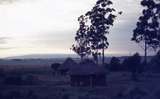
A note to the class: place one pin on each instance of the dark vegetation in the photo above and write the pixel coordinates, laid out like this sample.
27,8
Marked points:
133,64
91,36
90,78
27,85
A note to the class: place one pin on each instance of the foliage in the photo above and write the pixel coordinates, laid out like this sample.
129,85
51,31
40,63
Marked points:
101,18
148,25
147,30
94,25
82,47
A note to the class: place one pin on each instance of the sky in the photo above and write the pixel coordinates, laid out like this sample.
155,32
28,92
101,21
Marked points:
49,26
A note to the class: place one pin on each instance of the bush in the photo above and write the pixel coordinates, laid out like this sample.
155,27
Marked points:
115,64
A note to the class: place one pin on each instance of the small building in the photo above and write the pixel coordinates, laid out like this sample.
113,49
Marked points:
88,74
66,66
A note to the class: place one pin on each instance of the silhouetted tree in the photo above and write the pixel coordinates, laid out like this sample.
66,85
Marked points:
115,64
148,26
82,47
101,18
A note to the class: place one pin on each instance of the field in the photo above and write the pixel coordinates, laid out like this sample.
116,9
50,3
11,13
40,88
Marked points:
42,84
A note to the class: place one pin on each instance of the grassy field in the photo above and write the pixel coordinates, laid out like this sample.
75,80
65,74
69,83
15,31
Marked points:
47,86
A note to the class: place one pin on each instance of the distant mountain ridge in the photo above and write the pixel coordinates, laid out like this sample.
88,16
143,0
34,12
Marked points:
50,56
42,56
45,60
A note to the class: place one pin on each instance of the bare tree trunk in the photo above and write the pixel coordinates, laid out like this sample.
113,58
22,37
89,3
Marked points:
97,57
81,58
103,56
145,54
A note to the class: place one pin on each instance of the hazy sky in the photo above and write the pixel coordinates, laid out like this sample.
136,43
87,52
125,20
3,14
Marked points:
49,26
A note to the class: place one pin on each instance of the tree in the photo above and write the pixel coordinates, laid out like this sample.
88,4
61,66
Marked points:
148,26
101,19
82,47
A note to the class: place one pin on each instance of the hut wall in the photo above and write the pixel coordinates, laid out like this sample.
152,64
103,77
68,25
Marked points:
80,80
88,80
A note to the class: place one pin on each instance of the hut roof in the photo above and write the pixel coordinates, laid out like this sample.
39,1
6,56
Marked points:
67,64
87,67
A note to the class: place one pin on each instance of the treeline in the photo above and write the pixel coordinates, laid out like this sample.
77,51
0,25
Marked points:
7,78
135,63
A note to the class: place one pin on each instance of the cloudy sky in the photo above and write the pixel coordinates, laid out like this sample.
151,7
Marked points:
49,26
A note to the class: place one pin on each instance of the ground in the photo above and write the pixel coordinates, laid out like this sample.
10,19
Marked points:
119,84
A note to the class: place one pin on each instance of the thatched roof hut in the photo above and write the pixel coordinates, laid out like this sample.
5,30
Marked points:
67,65
87,73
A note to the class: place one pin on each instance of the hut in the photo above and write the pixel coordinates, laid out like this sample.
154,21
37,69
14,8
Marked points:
66,66
87,74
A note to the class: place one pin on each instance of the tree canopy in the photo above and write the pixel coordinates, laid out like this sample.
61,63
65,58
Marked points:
147,30
82,47
101,18
94,25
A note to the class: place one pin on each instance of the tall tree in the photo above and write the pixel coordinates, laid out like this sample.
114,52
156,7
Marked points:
82,47
101,18
147,31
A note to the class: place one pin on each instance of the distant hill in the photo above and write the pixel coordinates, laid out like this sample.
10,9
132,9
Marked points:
50,56
43,60
43,56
